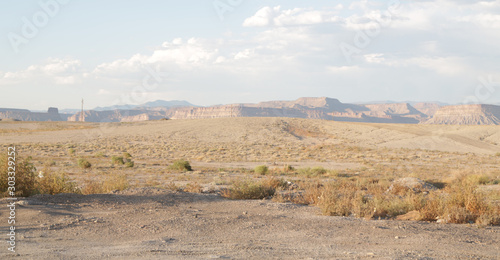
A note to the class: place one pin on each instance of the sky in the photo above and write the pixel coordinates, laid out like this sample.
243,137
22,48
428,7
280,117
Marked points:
56,52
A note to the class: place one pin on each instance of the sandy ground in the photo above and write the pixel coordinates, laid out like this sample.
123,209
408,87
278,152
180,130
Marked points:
476,139
151,223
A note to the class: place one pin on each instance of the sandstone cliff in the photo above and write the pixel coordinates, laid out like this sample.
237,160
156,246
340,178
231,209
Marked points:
467,115
119,115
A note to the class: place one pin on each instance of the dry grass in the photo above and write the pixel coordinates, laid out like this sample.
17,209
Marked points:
251,189
460,202
109,183
24,179
193,187
55,183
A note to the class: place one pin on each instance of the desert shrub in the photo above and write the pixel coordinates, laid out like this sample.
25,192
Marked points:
100,154
288,168
51,163
312,172
480,179
129,164
261,169
127,155
193,187
72,151
248,189
110,183
83,163
117,160
274,183
173,187
25,178
55,183
181,165
318,170
360,198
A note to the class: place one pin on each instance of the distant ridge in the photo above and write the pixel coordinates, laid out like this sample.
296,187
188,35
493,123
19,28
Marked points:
467,115
305,107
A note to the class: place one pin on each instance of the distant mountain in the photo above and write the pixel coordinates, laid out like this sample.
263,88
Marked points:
171,103
157,103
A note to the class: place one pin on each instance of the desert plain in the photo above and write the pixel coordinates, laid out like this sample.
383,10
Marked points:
258,188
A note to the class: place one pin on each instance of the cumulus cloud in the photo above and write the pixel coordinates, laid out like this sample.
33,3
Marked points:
181,54
60,71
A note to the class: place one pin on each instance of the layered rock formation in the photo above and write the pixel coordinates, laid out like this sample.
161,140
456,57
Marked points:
314,108
467,115
26,115
307,107
132,115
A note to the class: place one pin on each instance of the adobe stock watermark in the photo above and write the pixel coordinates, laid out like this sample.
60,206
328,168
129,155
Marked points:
31,27
483,91
137,95
225,6
363,38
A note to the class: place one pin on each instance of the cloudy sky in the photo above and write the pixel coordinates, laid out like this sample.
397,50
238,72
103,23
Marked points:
55,52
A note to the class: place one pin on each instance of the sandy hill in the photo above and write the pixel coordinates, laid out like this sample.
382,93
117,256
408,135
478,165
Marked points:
467,115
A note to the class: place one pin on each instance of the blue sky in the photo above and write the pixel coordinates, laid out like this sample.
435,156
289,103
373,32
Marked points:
55,52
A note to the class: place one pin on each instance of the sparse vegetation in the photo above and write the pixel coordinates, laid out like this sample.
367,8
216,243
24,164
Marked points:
261,169
312,172
55,183
129,164
180,165
117,160
110,183
84,164
25,177
193,187
250,189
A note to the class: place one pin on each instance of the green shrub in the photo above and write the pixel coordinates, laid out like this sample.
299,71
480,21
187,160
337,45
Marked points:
309,172
25,178
100,154
181,165
117,160
83,163
127,155
261,169
318,170
129,164
248,189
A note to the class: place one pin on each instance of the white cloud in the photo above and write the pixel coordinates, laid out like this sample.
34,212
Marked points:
274,16
60,71
446,66
483,20
181,54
